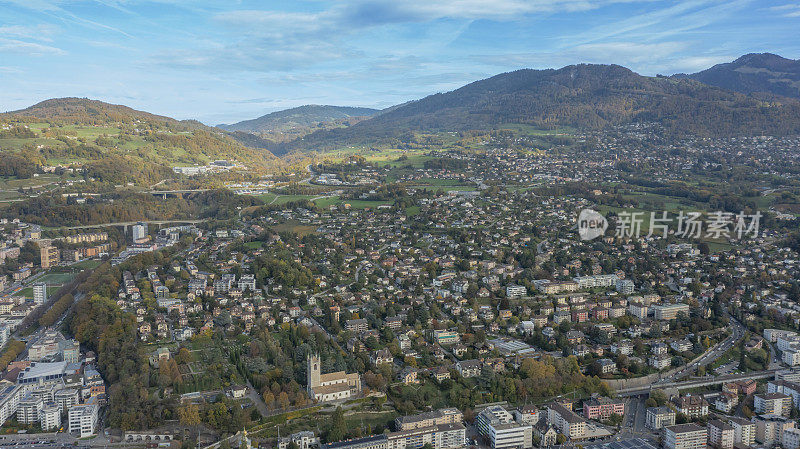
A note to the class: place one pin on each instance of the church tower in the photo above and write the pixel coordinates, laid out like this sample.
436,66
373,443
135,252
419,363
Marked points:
312,371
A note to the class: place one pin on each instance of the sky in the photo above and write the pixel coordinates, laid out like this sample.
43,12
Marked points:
225,61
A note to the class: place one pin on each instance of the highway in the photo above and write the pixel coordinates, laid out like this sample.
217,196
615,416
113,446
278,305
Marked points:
737,333
131,223
698,382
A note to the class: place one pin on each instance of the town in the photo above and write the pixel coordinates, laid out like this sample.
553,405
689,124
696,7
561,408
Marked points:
452,307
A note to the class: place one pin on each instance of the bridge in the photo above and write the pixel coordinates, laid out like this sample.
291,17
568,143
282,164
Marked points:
176,193
696,383
125,224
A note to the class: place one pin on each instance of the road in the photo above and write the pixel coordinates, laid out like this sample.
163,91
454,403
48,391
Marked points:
253,395
131,223
694,383
737,333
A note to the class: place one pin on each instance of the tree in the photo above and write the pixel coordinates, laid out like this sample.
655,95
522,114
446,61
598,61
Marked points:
338,427
189,415
659,396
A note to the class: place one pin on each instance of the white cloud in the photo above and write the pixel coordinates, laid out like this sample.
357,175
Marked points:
41,32
788,10
30,48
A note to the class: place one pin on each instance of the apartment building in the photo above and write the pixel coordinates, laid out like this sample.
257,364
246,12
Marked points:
83,420
450,415
744,431
499,426
685,436
566,421
659,417
786,387
772,404
721,435
692,406
770,428
603,408
666,312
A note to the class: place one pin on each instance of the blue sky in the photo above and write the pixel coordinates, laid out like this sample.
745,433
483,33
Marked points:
225,61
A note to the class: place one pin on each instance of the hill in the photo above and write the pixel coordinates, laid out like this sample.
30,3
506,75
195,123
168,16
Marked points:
116,142
584,96
308,116
754,73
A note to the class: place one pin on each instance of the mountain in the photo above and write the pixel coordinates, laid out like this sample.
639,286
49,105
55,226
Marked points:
754,73
585,96
308,116
116,142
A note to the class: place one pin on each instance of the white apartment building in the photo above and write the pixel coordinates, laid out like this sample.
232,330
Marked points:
566,421
499,426
772,335
720,434
516,291
790,439
770,428
50,417
786,387
9,401
659,417
39,293
29,408
744,431
772,404
791,356
685,436
66,398
83,420
668,312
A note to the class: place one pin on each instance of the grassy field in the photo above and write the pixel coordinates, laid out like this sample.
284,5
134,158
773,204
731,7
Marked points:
28,291
354,204
56,278
296,227
254,245
534,131
39,181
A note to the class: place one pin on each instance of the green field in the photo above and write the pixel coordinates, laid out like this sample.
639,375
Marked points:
257,244
56,278
28,291
534,131
354,204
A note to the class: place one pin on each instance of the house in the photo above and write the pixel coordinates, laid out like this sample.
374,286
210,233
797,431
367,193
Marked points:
408,376
468,368
441,373
606,366
692,406
381,356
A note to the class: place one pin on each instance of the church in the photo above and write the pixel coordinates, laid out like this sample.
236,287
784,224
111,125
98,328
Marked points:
332,386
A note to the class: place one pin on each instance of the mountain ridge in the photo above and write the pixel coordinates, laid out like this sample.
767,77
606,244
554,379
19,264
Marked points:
584,96
297,117
754,73
115,138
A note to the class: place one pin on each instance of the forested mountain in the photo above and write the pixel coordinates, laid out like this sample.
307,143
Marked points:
754,73
584,96
116,142
92,112
308,116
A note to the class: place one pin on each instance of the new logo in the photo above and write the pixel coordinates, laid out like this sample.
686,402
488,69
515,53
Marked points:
591,224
